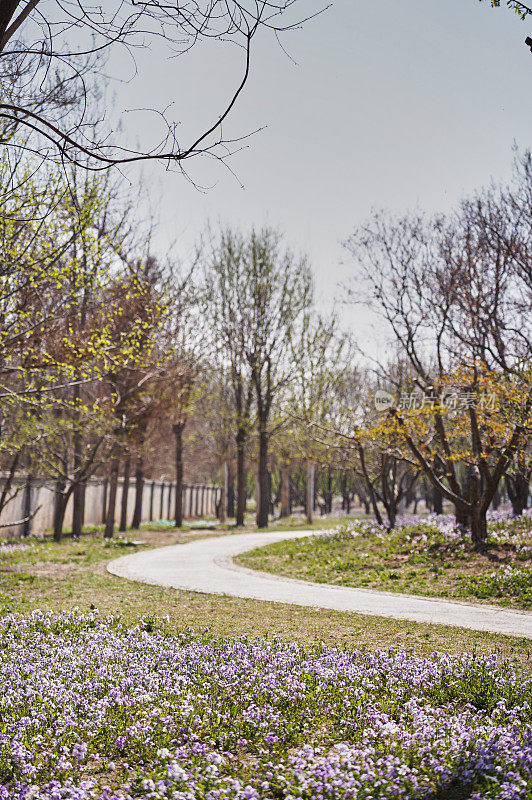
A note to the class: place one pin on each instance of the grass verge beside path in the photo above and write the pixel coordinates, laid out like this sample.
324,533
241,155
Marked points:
424,557
59,577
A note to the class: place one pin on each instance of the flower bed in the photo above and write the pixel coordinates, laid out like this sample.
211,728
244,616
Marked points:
90,709
441,527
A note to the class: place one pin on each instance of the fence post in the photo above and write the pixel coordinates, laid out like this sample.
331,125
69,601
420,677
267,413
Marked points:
169,504
152,490
161,509
104,501
83,499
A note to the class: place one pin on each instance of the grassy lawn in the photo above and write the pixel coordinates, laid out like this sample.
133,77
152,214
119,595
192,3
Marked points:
428,558
58,577
294,522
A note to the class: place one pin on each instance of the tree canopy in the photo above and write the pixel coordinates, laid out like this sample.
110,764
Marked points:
520,9
55,56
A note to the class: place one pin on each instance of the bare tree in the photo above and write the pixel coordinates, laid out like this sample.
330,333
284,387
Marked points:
427,281
319,358
273,290
224,279
51,55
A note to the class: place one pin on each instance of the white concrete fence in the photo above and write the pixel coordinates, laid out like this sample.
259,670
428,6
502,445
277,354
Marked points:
158,502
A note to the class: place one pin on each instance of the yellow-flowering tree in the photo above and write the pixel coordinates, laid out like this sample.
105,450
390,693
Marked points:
455,293
463,431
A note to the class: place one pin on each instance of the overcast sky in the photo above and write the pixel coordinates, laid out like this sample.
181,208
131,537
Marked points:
394,104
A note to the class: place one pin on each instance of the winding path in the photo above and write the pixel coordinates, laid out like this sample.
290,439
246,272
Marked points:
207,566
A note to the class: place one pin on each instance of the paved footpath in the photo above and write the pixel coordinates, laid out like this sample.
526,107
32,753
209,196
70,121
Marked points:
207,566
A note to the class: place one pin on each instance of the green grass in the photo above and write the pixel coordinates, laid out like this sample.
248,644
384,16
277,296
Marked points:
72,574
507,586
296,523
417,559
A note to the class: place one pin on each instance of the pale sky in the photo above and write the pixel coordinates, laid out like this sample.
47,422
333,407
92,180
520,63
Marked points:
394,104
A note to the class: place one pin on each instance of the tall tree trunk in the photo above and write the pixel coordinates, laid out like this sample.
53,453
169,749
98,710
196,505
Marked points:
290,493
26,505
495,503
111,506
479,527
222,514
391,513
517,489
428,495
59,516
465,487
77,495
329,491
310,491
7,12
178,429
369,486
460,517
285,490
60,501
231,497
77,509
343,485
139,494
125,494
437,501
231,489
240,476
477,518
263,478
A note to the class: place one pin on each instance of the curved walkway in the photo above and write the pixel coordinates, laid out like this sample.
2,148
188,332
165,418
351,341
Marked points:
207,566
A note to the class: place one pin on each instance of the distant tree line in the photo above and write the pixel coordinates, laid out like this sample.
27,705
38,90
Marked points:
114,362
